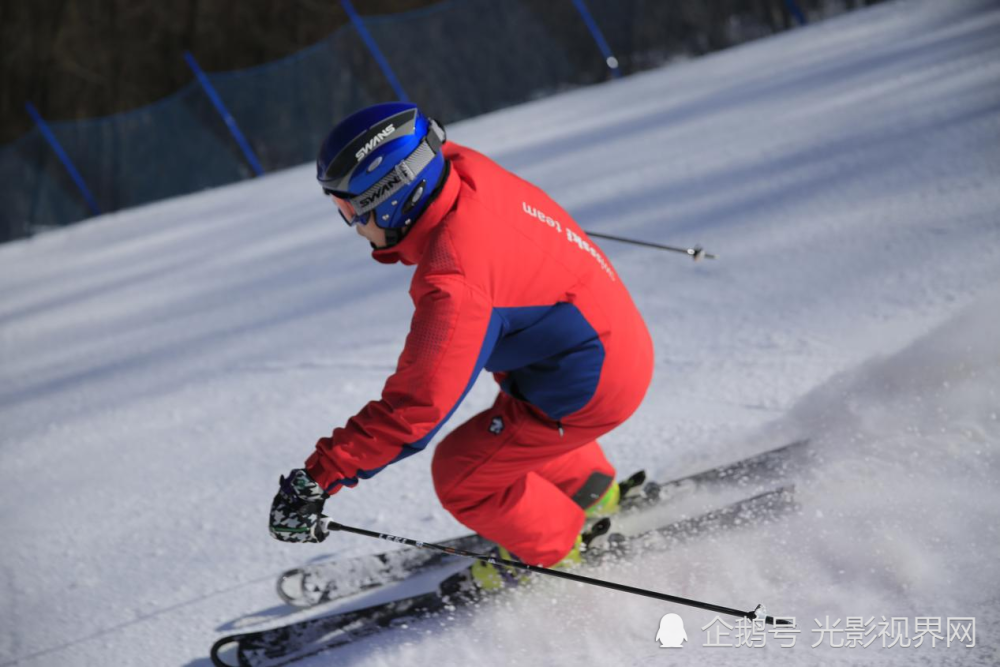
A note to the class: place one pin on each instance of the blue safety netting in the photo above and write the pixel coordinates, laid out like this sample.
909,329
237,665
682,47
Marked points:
465,59
175,146
455,59
285,108
35,190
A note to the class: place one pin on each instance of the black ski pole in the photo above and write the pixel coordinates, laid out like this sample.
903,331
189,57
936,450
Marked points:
757,613
695,253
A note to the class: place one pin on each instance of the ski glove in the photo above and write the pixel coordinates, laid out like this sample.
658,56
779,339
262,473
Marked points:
297,509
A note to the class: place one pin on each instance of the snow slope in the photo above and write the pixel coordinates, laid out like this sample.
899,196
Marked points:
160,367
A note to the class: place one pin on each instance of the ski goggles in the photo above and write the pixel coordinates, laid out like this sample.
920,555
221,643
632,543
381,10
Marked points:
350,214
354,209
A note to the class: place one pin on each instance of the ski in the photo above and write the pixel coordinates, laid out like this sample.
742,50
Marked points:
320,582
285,644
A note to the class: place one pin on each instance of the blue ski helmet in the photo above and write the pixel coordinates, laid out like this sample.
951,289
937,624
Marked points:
385,158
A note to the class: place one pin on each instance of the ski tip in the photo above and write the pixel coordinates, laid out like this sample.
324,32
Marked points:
292,589
219,648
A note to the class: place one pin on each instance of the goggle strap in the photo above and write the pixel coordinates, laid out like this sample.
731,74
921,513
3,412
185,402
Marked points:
402,174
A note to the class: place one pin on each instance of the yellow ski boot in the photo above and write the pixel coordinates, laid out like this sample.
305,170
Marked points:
607,505
492,576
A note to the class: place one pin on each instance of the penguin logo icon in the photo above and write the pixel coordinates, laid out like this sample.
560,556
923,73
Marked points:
671,633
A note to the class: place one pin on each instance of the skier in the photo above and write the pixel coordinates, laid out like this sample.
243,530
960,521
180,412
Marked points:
505,280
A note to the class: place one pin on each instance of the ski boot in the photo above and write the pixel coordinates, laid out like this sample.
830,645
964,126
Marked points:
607,505
490,576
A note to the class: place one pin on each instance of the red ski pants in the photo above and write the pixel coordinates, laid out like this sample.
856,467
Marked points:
510,474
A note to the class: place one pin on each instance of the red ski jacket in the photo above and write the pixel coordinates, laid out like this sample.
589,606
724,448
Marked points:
505,281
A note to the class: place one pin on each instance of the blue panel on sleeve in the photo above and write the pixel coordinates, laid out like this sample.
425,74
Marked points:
552,355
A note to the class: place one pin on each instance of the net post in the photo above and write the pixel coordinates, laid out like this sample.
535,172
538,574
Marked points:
227,117
50,137
602,44
369,41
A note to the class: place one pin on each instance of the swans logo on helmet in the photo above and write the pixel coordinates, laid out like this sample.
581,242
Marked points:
383,134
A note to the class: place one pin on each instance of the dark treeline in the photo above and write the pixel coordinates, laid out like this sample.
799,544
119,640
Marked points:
79,59
85,58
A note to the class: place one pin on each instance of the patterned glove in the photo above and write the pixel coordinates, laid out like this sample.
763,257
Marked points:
297,509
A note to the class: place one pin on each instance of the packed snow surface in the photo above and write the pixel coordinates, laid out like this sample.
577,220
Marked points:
160,367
